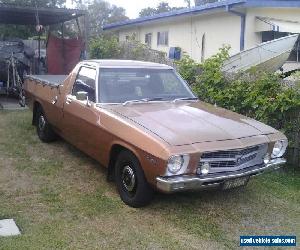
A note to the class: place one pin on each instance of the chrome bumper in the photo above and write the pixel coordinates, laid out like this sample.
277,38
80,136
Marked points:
172,184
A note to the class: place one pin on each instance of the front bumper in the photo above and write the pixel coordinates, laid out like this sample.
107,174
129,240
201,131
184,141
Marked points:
172,184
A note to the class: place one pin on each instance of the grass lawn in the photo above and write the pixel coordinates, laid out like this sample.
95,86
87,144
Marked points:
60,199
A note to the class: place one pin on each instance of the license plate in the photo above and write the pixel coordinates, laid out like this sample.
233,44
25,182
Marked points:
236,182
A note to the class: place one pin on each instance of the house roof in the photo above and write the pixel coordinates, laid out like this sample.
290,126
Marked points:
222,5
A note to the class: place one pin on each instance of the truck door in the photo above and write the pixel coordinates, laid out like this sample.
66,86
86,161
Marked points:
80,119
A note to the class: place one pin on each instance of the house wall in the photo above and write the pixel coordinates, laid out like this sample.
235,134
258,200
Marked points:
221,28
179,34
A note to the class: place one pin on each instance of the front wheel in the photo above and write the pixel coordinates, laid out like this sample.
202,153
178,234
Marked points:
43,128
132,185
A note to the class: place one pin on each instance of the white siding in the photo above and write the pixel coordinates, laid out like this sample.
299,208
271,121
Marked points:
220,28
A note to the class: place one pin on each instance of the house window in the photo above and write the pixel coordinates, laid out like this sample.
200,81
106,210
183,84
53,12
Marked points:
131,37
163,38
148,39
271,35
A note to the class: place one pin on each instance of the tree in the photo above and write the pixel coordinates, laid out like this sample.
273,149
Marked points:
38,3
161,8
100,13
148,12
188,2
202,2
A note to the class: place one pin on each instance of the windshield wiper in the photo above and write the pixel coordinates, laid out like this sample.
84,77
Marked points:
142,100
185,99
134,101
154,99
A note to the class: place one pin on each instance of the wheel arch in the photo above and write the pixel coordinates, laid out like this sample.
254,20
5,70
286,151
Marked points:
36,106
115,150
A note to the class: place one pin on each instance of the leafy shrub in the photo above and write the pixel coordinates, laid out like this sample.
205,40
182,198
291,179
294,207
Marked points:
108,47
188,69
256,94
105,48
295,77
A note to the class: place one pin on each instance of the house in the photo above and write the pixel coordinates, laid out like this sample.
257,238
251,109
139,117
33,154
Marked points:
202,30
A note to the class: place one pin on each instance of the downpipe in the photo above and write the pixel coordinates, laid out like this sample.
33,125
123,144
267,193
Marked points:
243,25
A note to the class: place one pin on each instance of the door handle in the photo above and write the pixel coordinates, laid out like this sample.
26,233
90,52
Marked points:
54,101
69,100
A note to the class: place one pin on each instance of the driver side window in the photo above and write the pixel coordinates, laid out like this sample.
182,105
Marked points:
86,81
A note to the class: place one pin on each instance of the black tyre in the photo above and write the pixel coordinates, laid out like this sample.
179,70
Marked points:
43,128
132,185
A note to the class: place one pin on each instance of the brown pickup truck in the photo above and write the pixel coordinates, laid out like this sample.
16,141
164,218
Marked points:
142,122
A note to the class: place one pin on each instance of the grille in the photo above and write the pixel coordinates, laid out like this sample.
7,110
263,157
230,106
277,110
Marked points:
229,153
230,158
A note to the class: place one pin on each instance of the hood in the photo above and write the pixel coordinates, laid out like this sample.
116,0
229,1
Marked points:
184,123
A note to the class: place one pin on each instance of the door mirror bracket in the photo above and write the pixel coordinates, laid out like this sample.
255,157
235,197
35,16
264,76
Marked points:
83,96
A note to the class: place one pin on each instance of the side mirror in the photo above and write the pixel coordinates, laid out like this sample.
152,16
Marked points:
82,96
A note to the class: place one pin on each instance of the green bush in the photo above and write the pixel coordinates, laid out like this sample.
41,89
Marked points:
256,94
188,69
105,48
295,77
108,47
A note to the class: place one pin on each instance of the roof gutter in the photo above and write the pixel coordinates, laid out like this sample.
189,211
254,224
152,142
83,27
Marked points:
182,12
243,25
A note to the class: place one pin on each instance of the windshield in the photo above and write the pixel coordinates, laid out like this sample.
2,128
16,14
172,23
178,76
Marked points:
121,85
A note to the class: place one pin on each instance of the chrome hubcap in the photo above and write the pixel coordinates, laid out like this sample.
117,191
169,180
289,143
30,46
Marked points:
42,123
128,178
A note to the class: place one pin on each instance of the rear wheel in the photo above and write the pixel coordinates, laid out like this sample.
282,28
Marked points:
132,185
43,128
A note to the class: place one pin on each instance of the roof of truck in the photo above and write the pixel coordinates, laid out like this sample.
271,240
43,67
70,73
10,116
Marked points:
127,63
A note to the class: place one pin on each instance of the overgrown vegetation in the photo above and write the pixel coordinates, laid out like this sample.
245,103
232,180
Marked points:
162,7
108,47
105,48
295,79
256,94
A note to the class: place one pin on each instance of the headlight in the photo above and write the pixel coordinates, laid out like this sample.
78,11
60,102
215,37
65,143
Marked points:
177,163
279,148
267,158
